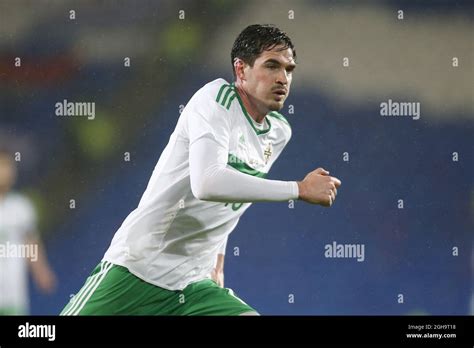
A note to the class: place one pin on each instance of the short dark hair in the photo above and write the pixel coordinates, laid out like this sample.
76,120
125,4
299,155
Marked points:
255,39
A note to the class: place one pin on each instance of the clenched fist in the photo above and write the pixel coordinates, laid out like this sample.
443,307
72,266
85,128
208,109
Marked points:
319,188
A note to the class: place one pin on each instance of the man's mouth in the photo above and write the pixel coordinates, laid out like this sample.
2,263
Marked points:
281,92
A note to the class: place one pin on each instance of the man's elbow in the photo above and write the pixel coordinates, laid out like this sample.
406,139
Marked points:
205,186
202,191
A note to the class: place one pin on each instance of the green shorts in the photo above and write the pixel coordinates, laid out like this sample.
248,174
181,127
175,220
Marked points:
113,290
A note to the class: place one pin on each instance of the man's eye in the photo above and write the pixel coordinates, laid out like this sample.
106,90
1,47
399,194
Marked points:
272,67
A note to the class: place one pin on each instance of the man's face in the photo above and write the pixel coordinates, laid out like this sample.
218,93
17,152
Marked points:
7,173
268,81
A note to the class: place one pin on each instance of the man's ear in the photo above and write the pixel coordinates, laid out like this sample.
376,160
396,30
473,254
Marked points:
239,67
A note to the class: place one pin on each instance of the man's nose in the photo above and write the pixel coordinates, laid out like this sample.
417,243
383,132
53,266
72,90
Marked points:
283,77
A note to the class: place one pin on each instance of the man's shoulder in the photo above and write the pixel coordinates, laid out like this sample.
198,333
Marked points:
214,97
219,93
18,201
211,90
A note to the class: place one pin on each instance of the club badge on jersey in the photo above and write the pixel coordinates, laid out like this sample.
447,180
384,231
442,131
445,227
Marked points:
267,153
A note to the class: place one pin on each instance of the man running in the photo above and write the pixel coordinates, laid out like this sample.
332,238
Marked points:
167,257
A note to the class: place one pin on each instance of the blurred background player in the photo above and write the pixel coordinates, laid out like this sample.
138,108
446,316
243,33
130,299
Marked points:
18,233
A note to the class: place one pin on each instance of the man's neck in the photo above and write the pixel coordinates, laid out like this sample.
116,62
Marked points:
249,105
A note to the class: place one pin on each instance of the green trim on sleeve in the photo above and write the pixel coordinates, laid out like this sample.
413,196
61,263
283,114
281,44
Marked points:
226,95
231,98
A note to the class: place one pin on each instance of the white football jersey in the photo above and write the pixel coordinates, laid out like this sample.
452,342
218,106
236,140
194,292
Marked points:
172,238
17,222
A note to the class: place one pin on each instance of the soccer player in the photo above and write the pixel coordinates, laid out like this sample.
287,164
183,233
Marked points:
20,245
167,257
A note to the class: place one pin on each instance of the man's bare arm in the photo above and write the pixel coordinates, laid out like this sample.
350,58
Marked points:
42,273
218,271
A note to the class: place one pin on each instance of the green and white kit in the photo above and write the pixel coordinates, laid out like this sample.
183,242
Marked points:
205,179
